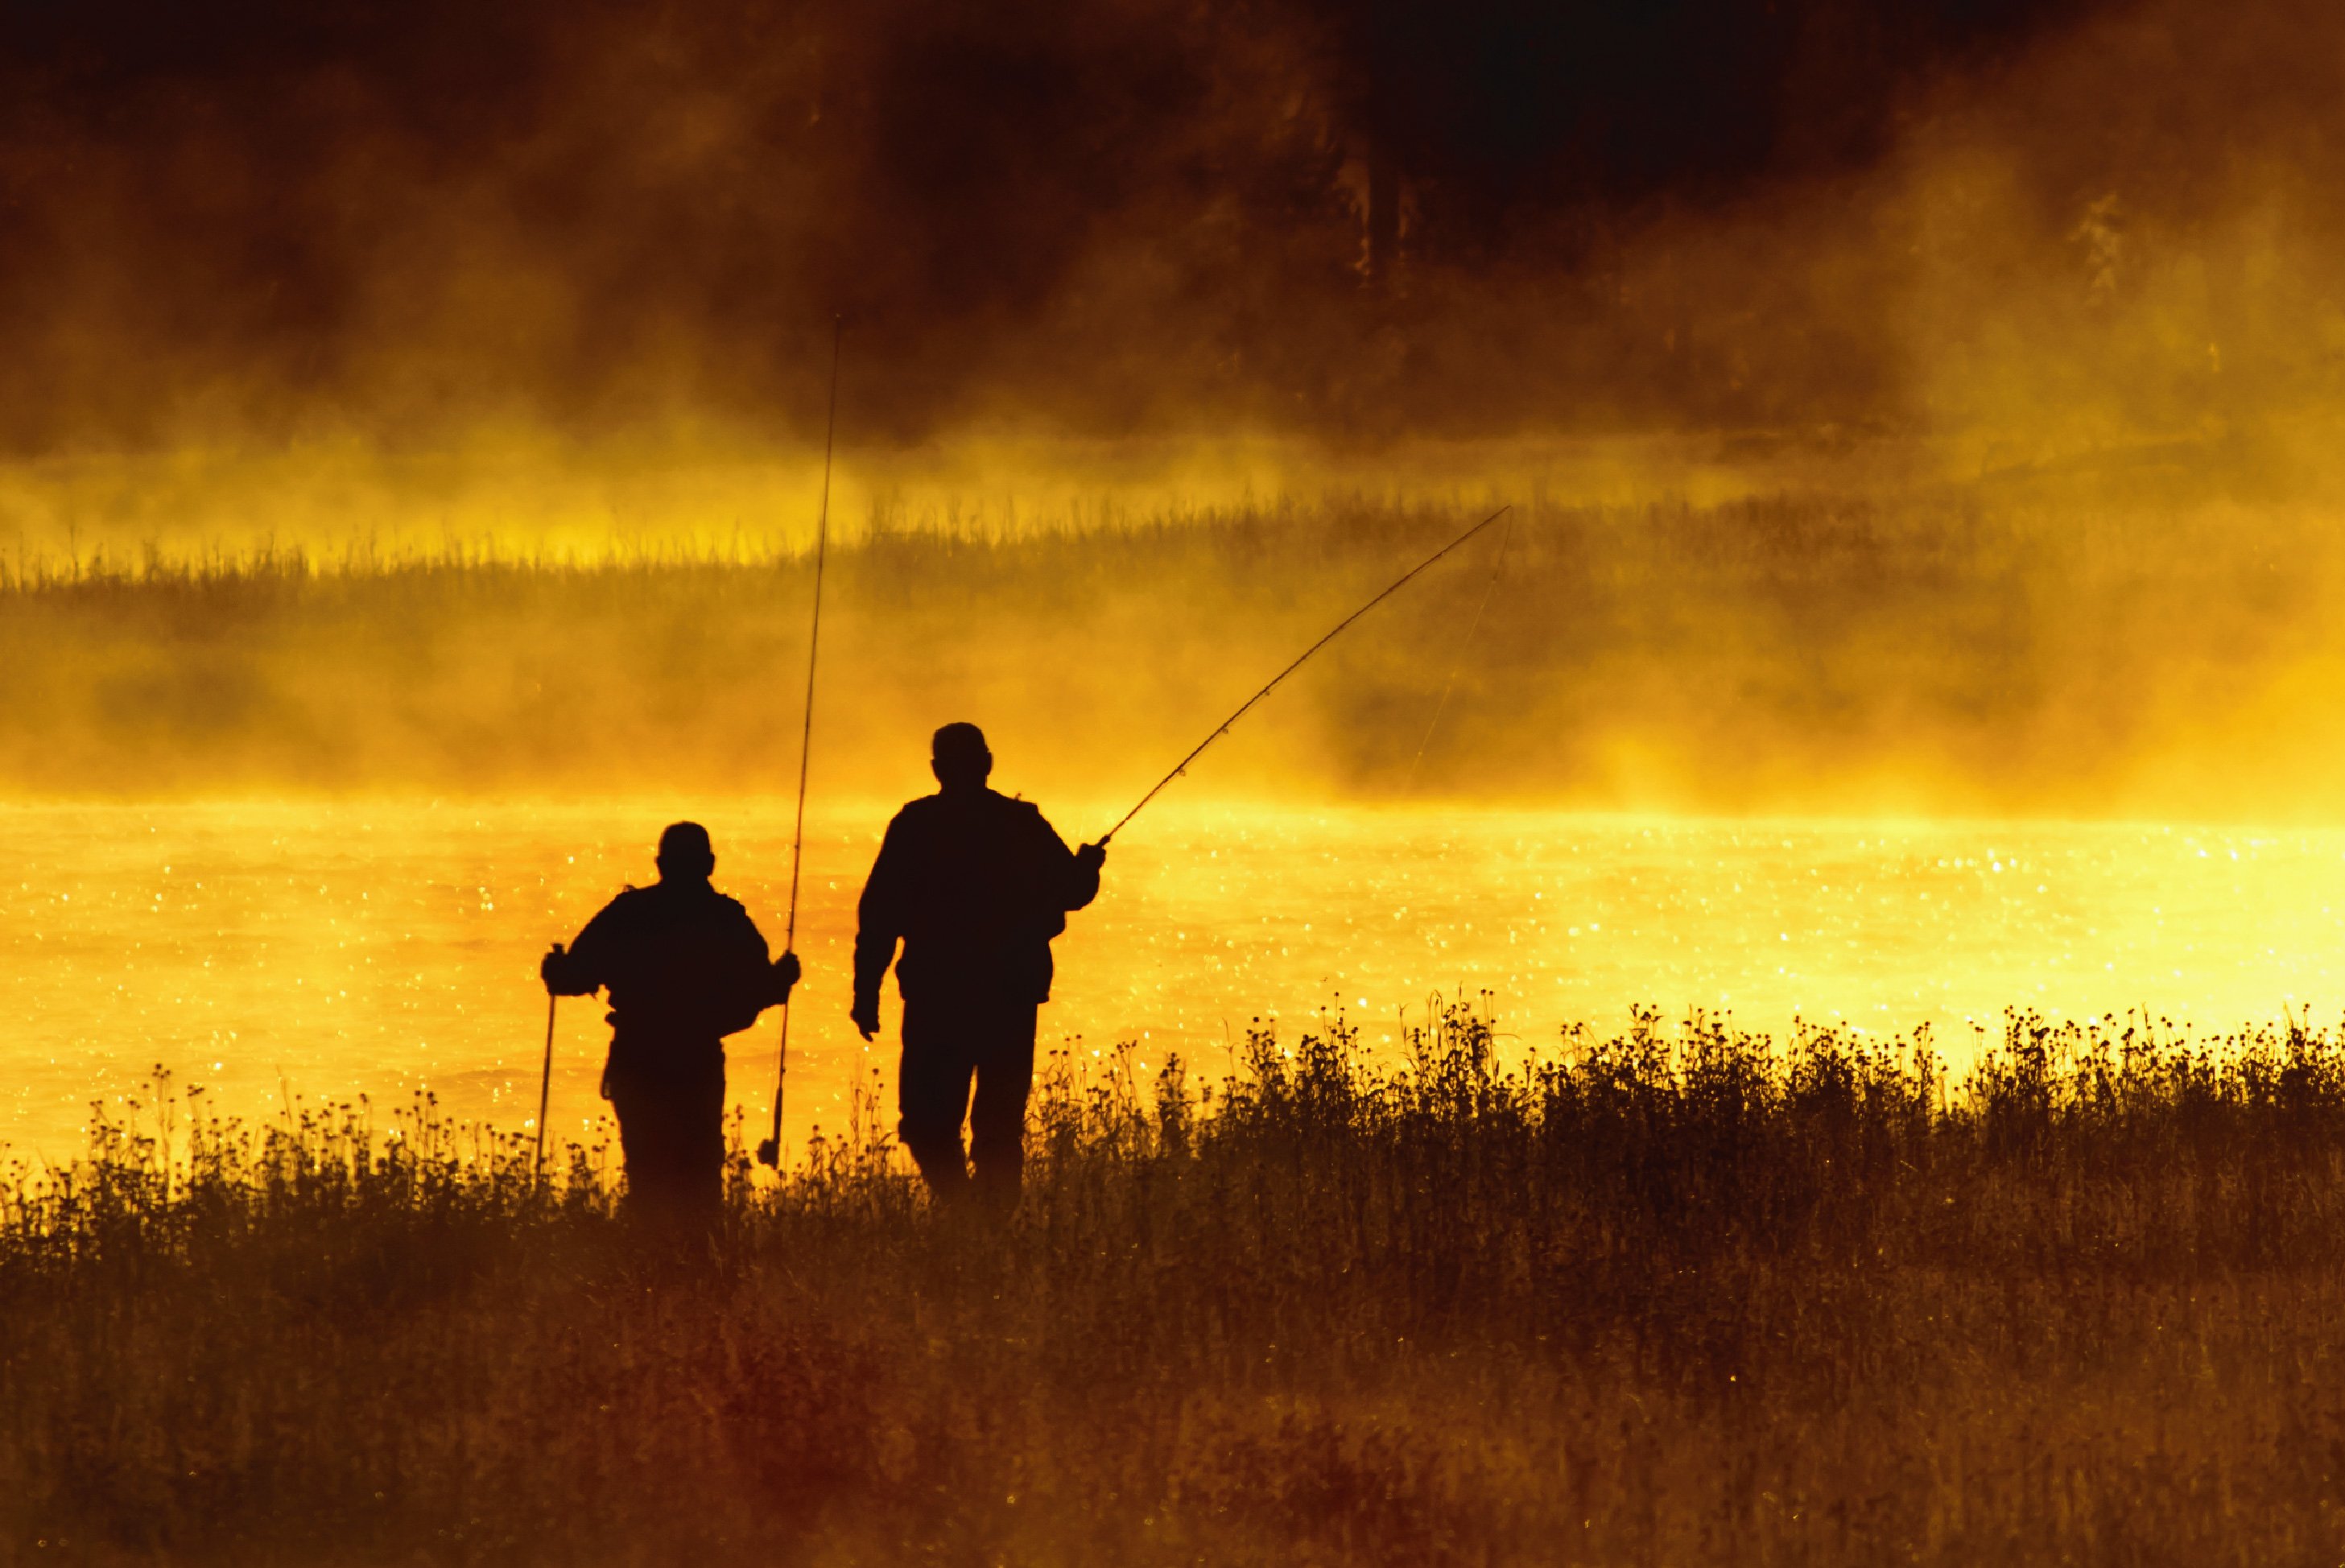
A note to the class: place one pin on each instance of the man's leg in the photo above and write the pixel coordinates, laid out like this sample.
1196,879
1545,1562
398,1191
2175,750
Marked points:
932,1093
1005,1079
701,1152
672,1136
645,1137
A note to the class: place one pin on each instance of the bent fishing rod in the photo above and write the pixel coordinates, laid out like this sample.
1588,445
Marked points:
770,1150
1305,658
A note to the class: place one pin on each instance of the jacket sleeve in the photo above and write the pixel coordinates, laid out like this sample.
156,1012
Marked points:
585,967
749,989
1073,884
880,917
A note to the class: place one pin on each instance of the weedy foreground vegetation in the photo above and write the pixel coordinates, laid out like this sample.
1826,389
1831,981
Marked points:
1674,1297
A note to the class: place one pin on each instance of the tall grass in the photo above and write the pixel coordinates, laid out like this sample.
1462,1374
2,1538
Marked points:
1675,1296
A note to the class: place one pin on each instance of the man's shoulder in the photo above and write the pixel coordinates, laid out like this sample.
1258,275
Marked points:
627,900
932,808
914,816
618,920
668,902
934,816
1014,805
702,905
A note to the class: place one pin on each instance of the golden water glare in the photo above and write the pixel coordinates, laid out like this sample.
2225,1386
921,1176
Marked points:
380,948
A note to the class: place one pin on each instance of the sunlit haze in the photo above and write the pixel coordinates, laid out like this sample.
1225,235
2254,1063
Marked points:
410,471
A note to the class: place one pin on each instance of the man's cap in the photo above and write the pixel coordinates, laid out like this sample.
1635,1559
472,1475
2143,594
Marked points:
686,844
960,743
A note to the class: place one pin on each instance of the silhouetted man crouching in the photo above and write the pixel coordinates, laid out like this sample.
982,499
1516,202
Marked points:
686,966
974,885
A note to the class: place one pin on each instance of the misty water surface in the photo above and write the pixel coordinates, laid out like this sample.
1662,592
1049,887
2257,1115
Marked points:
383,947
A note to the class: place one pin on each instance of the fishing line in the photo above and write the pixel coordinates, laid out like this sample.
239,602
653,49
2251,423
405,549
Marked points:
770,1151
1224,728
1506,537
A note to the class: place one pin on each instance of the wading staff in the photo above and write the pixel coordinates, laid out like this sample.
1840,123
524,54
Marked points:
544,1086
770,1150
1224,728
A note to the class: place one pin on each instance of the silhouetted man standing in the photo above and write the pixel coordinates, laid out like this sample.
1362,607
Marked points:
686,966
974,885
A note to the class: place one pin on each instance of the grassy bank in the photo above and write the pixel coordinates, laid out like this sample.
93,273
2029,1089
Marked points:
1668,1298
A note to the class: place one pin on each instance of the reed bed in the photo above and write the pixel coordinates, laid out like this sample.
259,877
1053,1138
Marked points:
1677,1295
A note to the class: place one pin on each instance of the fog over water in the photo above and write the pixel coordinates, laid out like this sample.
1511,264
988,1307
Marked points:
1913,420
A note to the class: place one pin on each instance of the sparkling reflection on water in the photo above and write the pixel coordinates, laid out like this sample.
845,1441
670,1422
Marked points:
380,947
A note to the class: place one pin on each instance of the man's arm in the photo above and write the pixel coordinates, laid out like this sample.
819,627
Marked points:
769,979
759,982
1073,874
879,925
583,969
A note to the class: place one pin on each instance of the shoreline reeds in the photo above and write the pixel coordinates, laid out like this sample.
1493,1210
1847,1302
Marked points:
1679,1294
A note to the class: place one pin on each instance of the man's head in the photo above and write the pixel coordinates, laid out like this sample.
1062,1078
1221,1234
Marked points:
959,758
686,854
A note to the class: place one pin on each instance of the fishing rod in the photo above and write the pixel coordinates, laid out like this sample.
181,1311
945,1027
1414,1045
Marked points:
770,1150
1224,728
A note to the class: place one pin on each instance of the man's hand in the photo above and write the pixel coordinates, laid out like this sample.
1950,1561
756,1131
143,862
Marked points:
787,972
865,1014
552,966
1092,856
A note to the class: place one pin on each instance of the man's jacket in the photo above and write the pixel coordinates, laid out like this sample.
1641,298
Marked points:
684,965
974,885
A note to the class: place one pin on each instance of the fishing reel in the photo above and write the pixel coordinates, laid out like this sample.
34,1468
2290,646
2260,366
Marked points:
769,1153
